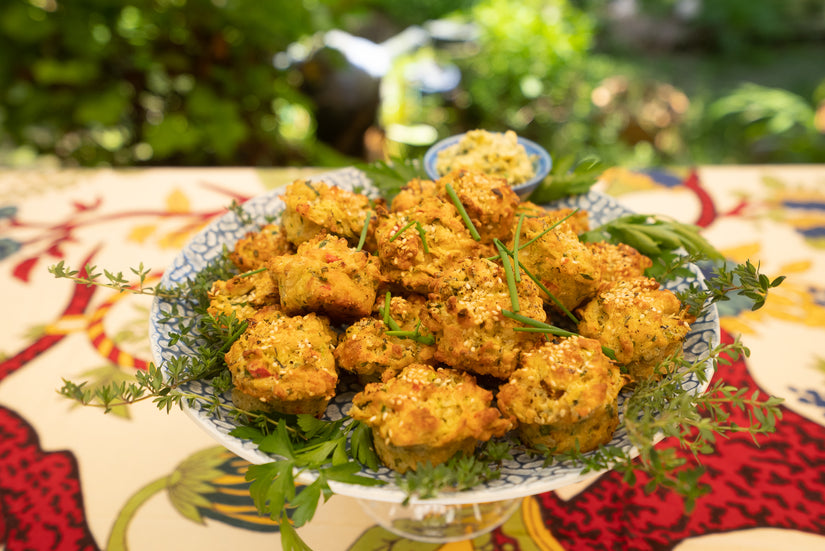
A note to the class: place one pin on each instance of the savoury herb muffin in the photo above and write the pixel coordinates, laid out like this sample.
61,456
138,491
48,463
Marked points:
640,322
242,295
488,200
619,261
368,351
284,364
255,248
327,276
564,396
471,332
416,245
427,415
315,207
557,258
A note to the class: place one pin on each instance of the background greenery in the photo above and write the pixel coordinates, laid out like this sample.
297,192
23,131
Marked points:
250,82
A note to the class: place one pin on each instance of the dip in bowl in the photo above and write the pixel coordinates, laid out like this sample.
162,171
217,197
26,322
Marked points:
523,163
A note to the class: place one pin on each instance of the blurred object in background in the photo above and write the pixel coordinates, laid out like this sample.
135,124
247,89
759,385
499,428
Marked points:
642,111
326,83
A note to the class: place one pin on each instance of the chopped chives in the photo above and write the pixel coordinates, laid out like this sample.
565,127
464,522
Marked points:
423,237
544,289
462,211
402,230
515,245
364,232
421,233
551,228
252,272
508,274
536,326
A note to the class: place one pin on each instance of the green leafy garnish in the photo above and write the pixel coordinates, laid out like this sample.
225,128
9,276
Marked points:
390,176
658,408
567,177
462,212
340,450
653,236
460,472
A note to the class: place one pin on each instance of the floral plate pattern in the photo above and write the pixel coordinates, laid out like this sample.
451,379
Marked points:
522,476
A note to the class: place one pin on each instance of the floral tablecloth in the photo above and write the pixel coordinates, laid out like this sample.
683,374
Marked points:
75,478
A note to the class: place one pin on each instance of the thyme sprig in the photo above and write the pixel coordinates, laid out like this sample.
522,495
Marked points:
460,472
727,280
113,280
663,408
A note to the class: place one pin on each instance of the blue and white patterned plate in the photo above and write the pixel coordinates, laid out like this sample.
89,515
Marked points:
521,477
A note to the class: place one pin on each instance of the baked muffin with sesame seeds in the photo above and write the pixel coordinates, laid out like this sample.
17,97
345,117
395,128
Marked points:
488,200
465,315
412,193
416,245
559,260
427,415
255,248
284,364
242,295
327,276
640,322
368,351
564,395
619,261
314,208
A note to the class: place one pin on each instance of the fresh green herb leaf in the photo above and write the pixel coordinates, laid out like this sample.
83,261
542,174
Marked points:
567,177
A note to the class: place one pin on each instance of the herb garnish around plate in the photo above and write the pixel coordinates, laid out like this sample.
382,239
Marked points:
336,450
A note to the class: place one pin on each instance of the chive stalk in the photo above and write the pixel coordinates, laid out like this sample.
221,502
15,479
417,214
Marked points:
463,212
363,237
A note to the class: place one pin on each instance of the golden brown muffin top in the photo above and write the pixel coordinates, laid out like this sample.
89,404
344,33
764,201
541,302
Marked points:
427,406
561,381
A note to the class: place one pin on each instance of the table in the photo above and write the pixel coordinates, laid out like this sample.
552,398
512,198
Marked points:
141,479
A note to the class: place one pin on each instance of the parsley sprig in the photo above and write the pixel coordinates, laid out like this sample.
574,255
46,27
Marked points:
305,444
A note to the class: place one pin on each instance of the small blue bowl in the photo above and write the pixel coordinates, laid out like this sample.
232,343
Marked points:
542,162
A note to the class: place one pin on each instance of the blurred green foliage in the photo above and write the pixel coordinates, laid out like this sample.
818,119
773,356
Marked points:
195,82
162,81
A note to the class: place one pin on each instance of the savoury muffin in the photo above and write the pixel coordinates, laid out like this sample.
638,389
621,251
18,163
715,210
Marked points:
427,415
253,250
619,261
368,351
412,193
465,315
314,208
488,200
416,245
564,396
563,264
242,295
641,323
284,364
327,276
